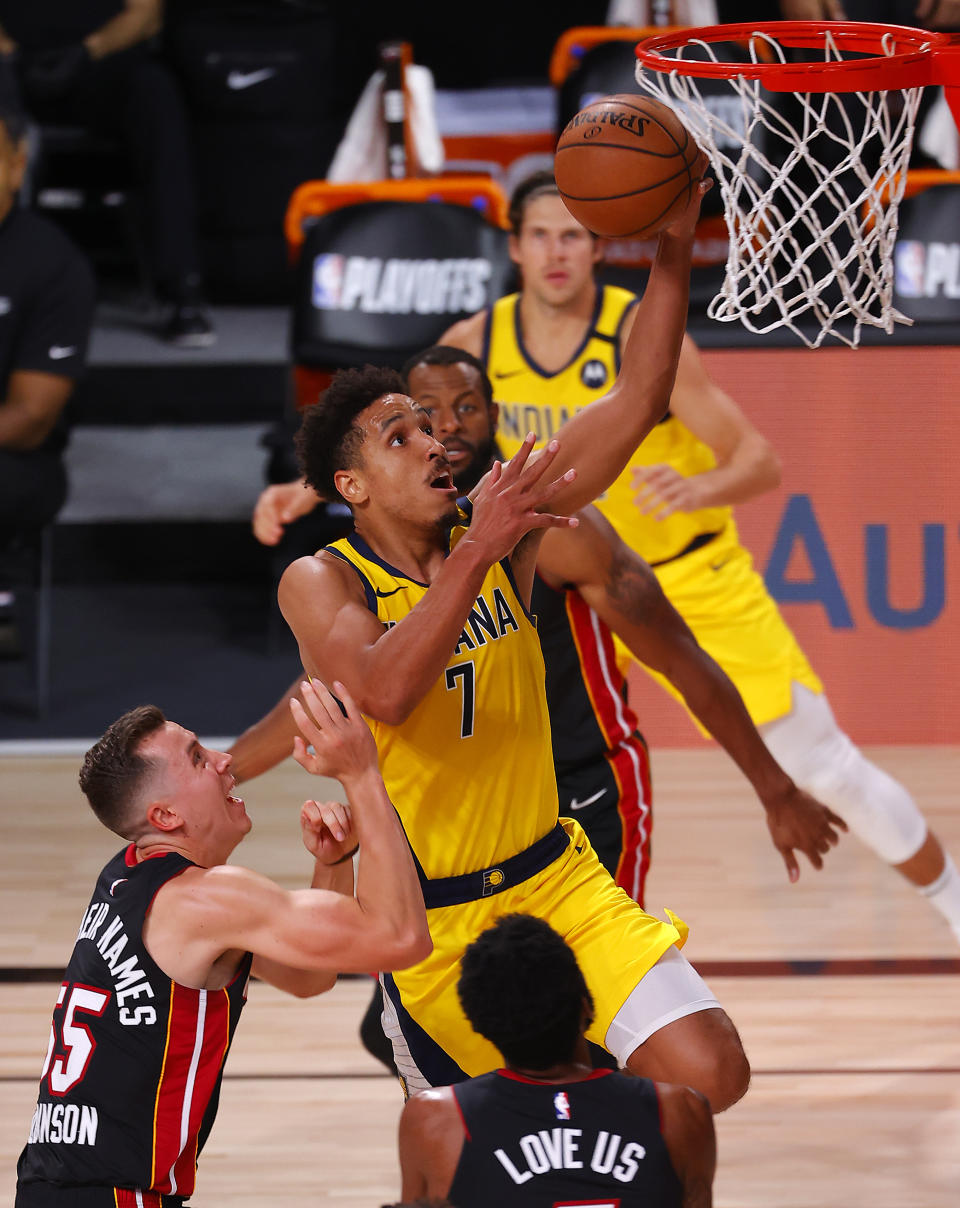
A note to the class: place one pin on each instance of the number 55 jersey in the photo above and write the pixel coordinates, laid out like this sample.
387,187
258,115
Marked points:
131,1080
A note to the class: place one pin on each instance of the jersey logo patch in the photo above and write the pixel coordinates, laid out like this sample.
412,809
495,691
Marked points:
593,374
561,1105
493,880
383,594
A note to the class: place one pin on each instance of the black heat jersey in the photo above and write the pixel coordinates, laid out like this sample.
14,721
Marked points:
603,767
548,1145
131,1080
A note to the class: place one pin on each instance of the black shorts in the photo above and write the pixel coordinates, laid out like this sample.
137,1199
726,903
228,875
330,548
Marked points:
51,1195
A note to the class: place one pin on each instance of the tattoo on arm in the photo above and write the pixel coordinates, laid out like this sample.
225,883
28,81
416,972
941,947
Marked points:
633,588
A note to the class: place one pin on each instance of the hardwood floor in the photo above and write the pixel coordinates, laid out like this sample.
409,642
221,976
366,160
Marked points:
856,1087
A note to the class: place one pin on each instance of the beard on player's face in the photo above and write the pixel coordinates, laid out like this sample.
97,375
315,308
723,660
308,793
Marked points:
484,455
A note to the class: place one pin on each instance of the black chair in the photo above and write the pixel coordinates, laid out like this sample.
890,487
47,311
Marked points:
83,181
29,565
924,268
379,280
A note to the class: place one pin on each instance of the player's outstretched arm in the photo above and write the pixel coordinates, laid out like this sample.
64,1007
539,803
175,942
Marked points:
268,741
329,836
688,1131
279,505
389,671
747,464
624,592
600,439
207,912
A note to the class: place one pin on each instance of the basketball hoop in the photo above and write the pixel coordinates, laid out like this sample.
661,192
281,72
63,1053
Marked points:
810,186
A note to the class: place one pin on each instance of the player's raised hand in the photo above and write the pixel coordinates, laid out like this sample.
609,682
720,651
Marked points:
661,491
327,829
278,506
511,500
343,746
799,822
684,226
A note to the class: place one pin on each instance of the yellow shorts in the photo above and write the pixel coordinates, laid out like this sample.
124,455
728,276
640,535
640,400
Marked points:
735,619
615,943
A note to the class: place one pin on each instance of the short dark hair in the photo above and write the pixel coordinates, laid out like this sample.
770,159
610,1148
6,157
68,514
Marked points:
531,187
113,769
328,440
444,354
522,989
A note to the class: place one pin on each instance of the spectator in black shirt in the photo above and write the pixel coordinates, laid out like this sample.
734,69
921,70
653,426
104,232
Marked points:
91,62
47,294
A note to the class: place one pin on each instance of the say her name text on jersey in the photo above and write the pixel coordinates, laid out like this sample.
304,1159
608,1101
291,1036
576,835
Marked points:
130,981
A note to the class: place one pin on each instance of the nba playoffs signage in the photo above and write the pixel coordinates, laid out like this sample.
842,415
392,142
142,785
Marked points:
860,546
399,286
926,256
381,280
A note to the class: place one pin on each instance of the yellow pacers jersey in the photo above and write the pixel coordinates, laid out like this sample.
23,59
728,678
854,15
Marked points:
532,400
471,769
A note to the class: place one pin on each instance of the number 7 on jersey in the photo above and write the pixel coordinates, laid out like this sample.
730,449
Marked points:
467,674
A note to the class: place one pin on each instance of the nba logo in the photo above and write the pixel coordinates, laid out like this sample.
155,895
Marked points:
327,280
910,260
561,1105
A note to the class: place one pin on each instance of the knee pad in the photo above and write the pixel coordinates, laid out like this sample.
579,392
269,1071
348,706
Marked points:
824,762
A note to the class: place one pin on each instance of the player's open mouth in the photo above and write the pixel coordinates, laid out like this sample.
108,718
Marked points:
235,800
443,482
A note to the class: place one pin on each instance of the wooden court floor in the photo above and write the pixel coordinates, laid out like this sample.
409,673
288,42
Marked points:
845,988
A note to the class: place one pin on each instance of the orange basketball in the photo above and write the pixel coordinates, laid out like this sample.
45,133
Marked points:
626,165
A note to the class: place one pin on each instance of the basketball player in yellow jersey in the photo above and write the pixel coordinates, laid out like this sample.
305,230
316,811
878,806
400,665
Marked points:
550,351
422,614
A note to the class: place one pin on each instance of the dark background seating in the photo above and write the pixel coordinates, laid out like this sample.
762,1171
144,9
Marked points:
154,549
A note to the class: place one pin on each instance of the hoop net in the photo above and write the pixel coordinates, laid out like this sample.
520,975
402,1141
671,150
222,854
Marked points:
810,188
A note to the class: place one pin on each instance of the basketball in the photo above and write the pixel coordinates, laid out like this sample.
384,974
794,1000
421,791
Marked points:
626,165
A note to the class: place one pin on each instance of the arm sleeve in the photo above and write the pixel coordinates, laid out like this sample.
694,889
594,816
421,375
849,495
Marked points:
56,325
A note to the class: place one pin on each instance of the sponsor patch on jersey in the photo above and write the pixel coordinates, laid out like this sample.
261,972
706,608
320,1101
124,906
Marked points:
561,1105
593,374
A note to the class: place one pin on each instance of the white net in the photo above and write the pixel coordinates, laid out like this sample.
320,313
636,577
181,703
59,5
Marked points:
811,184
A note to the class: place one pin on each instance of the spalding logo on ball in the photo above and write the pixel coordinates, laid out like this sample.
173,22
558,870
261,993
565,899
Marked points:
626,165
